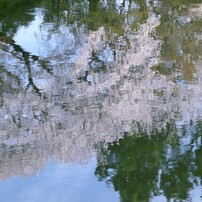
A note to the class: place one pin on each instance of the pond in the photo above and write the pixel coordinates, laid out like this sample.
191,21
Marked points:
100,100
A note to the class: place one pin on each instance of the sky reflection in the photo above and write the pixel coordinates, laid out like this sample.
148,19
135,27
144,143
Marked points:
72,87
58,182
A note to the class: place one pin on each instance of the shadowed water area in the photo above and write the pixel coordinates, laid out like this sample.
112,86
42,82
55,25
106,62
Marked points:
100,100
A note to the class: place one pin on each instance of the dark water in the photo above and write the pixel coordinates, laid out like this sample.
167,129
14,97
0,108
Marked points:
100,100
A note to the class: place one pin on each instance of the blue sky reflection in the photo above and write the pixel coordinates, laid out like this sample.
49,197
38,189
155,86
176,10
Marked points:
58,182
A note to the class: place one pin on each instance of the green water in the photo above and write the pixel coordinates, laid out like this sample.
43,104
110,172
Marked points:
100,100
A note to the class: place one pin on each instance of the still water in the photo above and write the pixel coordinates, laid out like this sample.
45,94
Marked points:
100,100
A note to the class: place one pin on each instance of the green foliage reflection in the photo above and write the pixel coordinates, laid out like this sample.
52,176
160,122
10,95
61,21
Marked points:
141,167
178,34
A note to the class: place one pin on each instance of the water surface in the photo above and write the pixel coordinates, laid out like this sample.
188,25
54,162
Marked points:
100,100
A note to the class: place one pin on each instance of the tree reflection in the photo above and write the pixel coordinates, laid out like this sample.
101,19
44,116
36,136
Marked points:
14,14
141,167
101,78
76,15
180,48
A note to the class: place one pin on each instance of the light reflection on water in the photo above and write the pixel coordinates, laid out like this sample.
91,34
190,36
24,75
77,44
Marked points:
73,88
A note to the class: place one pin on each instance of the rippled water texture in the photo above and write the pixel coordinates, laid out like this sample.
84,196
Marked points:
100,100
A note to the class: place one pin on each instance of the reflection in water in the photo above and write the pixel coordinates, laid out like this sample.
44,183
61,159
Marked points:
161,166
58,182
72,116
82,83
